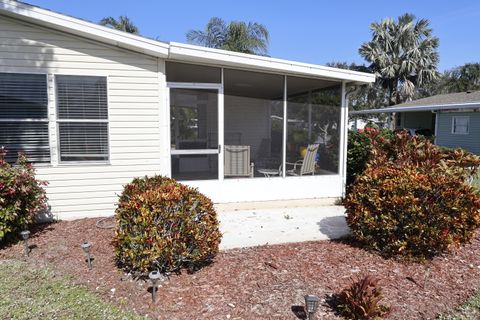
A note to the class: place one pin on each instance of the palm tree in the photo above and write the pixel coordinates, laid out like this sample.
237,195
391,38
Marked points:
403,54
460,79
236,36
123,24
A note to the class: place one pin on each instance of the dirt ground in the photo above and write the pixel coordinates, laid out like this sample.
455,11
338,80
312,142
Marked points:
266,282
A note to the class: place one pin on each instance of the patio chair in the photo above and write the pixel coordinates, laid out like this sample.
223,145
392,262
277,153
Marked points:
237,161
304,166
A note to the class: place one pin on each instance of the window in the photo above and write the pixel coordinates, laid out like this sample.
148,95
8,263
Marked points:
82,117
460,125
24,116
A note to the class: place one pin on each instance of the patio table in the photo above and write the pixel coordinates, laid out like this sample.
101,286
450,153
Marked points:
269,172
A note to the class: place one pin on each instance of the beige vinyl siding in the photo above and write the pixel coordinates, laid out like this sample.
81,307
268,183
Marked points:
137,127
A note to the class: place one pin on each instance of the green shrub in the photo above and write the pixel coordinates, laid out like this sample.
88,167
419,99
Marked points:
360,150
361,301
412,199
164,225
22,197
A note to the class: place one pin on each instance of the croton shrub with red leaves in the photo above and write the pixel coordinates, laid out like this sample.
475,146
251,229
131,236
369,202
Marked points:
413,198
22,197
164,225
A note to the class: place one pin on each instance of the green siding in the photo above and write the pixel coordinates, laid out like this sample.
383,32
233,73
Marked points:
470,141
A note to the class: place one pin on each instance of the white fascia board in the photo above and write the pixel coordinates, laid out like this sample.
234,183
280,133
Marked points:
83,28
453,106
197,54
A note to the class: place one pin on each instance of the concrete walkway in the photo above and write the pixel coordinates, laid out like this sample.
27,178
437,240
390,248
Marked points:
280,224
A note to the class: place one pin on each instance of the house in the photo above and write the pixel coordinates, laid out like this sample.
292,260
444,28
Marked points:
453,119
94,107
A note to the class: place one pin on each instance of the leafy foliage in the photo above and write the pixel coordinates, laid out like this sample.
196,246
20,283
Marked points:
403,54
164,225
22,197
413,199
361,301
237,36
123,23
360,150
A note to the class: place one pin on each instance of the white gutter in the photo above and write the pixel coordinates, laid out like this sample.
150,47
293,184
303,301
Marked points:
191,53
452,106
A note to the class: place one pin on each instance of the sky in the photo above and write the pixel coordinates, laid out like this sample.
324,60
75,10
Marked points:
317,32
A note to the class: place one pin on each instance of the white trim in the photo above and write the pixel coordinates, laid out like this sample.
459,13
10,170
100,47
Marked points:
452,106
343,147
187,52
435,134
194,85
221,129
285,127
175,152
83,28
468,125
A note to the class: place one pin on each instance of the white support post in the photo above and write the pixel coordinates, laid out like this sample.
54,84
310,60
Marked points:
221,128
343,138
285,127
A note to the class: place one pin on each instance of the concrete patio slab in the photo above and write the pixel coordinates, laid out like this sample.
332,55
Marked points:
260,226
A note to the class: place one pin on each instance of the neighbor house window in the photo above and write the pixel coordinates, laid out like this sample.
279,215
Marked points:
82,117
460,125
24,116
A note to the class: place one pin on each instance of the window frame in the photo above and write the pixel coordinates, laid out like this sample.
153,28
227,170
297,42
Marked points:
58,121
41,120
454,118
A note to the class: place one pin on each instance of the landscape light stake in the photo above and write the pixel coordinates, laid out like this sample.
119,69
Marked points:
25,235
86,248
154,277
311,304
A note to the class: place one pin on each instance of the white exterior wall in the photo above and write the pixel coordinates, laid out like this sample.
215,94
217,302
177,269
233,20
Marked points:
137,123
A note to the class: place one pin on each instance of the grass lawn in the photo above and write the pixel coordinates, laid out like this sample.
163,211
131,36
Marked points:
38,293
469,310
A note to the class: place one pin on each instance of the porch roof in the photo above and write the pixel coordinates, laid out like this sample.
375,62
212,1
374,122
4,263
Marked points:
173,50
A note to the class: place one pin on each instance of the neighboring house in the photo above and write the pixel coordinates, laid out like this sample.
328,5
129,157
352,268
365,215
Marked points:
94,107
453,119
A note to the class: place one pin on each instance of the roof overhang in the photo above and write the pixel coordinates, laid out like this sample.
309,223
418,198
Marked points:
197,54
50,19
173,50
454,106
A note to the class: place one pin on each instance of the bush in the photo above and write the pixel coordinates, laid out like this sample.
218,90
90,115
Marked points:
22,197
361,301
164,225
412,199
360,150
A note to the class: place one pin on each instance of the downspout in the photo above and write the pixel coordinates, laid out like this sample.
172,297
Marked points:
344,134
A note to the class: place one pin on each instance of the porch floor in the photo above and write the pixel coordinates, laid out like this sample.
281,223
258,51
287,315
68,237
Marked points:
280,223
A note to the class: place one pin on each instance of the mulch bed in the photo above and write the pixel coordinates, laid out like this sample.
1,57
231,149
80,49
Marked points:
266,282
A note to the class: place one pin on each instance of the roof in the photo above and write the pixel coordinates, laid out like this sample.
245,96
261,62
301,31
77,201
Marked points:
450,101
172,50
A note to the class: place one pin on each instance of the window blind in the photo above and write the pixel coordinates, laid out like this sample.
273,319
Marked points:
24,116
82,116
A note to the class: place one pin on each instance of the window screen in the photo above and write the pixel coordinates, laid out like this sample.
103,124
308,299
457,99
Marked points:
24,116
460,125
82,112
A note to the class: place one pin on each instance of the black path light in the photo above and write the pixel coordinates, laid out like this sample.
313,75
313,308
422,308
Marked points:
25,235
154,276
311,304
86,246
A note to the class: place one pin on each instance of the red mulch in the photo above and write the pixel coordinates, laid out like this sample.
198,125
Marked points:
258,283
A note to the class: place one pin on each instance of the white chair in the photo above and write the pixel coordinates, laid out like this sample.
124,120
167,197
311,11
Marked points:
306,165
237,161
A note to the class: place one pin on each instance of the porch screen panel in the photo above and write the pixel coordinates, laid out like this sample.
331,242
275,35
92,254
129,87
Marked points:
313,133
82,116
24,116
253,124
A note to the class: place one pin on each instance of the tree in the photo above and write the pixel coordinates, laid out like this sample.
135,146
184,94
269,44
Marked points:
403,54
237,36
123,24
460,79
